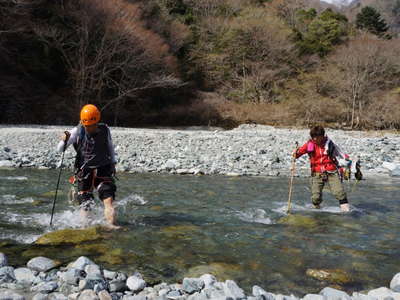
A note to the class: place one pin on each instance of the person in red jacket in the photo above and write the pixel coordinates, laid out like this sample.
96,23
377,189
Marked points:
324,155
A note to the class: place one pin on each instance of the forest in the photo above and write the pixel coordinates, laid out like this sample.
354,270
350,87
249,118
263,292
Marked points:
201,62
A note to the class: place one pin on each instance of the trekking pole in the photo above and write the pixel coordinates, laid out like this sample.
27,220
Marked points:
291,181
59,176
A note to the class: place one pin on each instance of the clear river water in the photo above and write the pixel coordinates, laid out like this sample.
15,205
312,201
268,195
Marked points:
235,227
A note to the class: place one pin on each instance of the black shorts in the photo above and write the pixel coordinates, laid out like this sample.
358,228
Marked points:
100,179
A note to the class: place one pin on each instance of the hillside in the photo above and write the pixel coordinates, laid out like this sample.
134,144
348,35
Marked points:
203,62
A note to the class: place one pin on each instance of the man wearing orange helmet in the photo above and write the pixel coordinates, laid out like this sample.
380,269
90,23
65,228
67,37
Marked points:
95,161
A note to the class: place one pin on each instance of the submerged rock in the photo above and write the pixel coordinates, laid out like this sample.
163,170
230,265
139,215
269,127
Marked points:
222,271
41,264
299,221
69,236
336,276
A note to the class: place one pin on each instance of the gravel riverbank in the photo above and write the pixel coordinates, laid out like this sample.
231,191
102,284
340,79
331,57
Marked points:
246,150
43,279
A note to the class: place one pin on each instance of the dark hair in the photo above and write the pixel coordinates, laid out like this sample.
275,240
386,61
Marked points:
317,131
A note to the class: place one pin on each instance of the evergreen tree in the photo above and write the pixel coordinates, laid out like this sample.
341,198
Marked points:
370,19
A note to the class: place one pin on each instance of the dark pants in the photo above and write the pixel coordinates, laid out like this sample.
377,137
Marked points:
100,179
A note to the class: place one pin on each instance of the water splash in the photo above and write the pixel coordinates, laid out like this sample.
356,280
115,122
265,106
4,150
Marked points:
131,199
254,215
20,178
282,209
12,199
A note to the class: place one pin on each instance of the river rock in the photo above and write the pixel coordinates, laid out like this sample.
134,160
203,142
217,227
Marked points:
359,296
208,280
69,236
40,296
7,275
104,295
10,295
336,276
191,285
334,294
57,296
41,264
45,287
81,263
259,292
313,297
231,289
24,275
135,283
72,276
3,260
6,164
384,293
93,272
88,295
395,283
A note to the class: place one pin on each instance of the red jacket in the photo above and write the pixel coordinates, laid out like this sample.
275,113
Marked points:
322,157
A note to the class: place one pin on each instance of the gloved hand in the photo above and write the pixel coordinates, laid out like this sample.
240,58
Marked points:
65,136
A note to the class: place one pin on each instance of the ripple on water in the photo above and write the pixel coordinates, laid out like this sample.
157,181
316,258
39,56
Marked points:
254,215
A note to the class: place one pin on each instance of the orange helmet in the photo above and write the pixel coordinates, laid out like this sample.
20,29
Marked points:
90,115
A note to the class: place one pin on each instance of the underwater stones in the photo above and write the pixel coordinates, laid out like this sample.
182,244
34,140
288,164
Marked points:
69,236
222,271
135,283
191,285
299,221
395,283
334,294
336,276
10,295
41,264
3,260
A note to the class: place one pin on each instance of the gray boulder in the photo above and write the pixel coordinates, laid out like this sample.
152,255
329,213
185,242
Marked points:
41,264
334,294
10,295
260,293
93,272
45,287
395,283
384,293
81,263
24,275
313,297
7,275
232,290
192,285
3,260
135,283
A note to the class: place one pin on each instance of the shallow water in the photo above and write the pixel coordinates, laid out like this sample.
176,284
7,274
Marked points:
176,226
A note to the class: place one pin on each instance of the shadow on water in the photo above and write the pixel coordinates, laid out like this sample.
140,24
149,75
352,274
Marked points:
235,228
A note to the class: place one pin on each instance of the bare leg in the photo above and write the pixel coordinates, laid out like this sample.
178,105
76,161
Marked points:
345,207
109,213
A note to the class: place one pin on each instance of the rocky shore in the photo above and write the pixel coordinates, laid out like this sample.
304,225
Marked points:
246,150
43,279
